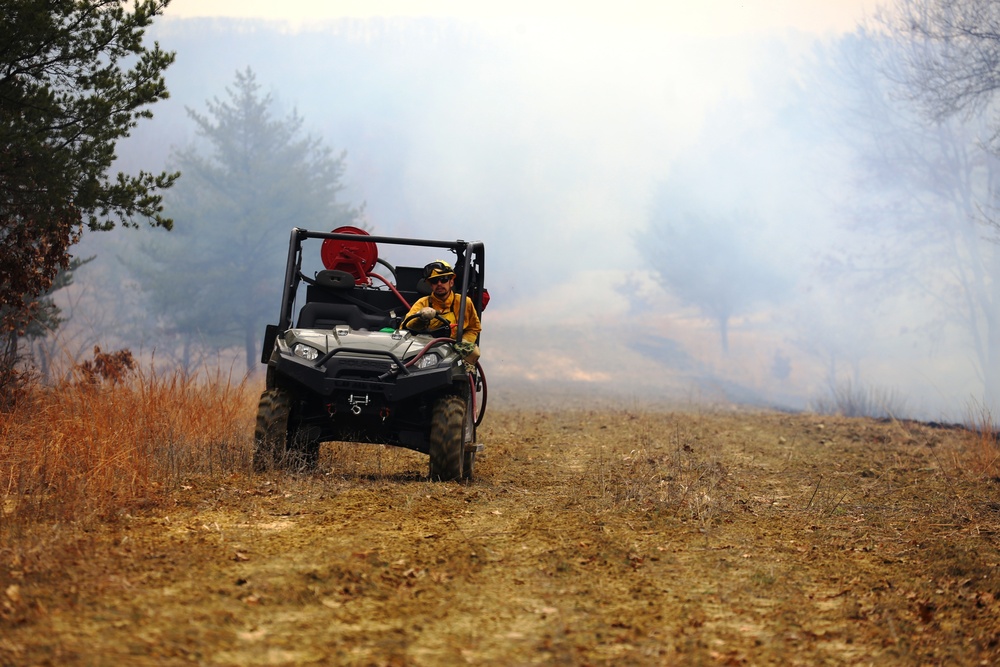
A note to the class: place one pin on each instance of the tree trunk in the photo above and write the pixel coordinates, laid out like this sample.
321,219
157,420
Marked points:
724,333
10,379
186,355
991,365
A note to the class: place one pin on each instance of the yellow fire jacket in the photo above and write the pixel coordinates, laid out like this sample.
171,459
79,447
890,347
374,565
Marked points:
448,309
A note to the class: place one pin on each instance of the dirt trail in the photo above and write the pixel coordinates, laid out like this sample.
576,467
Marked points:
590,538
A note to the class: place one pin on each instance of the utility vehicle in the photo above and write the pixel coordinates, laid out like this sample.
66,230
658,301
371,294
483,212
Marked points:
344,363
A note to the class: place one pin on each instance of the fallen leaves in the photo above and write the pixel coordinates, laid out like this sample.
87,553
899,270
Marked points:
667,568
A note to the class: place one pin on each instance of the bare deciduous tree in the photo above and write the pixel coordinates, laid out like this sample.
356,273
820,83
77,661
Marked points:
953,64
918,126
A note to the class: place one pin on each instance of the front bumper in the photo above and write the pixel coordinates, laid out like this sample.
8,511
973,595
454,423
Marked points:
357,374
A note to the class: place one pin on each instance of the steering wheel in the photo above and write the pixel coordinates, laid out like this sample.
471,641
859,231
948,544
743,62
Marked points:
437,316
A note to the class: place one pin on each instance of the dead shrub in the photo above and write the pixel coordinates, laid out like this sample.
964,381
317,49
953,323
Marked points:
111,367
849,400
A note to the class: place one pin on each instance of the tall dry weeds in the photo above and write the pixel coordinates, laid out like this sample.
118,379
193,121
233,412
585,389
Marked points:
92,448
656,465
848,399
983,450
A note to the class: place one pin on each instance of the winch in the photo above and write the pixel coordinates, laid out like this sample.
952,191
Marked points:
356,402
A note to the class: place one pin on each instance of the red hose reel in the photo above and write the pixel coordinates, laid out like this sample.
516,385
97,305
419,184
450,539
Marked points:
357,258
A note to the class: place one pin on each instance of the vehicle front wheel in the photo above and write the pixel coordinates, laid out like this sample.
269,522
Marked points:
278,441
271,435
447,446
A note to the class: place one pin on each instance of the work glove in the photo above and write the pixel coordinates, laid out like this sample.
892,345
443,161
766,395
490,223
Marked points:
464,348
427,314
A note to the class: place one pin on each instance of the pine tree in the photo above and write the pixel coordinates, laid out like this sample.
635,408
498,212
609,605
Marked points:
75,78
216,279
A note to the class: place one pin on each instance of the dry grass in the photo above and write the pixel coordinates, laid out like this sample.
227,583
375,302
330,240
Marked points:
983,452
848,399
591,537
653,466
90,448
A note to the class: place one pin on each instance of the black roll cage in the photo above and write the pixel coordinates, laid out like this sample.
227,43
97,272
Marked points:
471,257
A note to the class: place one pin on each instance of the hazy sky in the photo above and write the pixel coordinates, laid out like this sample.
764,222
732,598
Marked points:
574,124
714,17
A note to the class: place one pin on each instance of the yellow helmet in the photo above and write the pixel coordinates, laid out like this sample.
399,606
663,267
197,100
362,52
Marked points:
438,268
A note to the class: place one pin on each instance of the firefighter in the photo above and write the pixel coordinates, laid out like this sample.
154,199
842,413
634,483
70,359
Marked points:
444,303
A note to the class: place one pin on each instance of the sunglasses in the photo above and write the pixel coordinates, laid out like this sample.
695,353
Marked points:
438,279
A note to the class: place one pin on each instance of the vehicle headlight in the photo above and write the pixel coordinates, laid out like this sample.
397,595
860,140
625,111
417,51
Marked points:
305,352
429,360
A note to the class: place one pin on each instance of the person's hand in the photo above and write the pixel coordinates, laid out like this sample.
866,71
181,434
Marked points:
427,314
